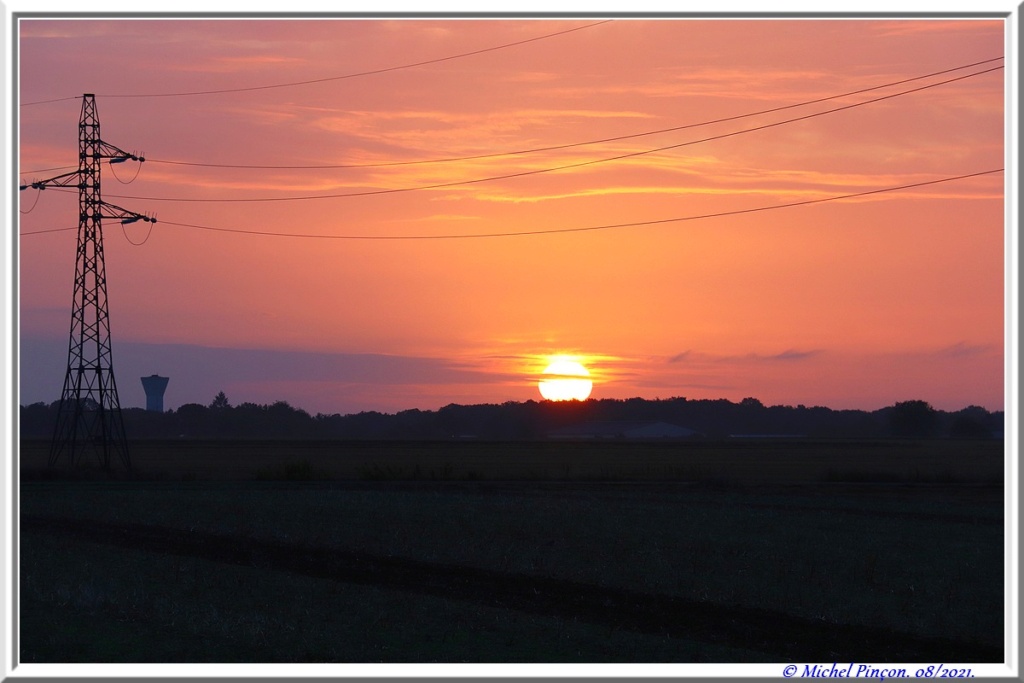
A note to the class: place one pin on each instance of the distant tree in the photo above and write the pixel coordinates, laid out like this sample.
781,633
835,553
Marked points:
191,420
913,418
37,419
281,408
220,402
972,422
534,419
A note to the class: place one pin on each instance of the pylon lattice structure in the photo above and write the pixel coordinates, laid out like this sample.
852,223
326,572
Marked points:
89,417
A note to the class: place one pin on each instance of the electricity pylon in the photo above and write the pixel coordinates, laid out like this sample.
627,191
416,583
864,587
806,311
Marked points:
89,417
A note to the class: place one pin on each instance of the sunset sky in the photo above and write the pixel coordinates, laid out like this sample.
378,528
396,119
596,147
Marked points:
449,139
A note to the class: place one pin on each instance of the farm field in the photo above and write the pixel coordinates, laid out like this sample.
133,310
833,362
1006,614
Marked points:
726,461
753,551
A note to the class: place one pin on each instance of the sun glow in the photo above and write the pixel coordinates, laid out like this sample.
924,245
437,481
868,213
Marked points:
564,380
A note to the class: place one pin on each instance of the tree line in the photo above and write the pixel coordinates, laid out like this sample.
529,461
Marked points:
709,418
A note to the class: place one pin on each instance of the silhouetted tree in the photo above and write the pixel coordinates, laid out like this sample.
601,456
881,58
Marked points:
715,418
913,418
973,422
37,420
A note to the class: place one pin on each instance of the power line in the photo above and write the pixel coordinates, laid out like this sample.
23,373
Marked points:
346,76
552,148
56,99
553,231
519,174
52,168
41,232
565,230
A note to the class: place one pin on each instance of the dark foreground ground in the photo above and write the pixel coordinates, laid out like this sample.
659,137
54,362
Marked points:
517,552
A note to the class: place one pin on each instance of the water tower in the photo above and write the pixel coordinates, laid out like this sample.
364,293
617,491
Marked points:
154,386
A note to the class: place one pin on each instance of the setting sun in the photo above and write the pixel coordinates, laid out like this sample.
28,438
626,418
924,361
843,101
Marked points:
565,380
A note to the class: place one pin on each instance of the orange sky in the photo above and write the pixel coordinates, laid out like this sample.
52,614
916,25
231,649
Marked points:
850,304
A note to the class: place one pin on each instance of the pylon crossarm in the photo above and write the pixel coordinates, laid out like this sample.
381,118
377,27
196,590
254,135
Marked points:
62,180
105,150
108,210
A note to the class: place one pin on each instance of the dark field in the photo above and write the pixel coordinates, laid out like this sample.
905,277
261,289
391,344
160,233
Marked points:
734,551
731,461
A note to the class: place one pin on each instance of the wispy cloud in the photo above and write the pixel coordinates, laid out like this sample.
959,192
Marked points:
439,218
681,357
256,63
530,77
966,350
909,28
743,84
789,355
